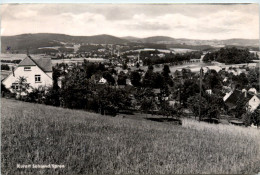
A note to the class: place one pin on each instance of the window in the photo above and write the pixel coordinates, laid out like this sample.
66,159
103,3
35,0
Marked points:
37,78
27,68
15,86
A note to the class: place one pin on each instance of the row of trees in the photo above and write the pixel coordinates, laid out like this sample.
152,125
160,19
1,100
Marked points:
168,58
11,61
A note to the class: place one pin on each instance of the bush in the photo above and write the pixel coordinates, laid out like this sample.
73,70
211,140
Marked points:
255,117
52,97
252,118
4,90
246,118
36,96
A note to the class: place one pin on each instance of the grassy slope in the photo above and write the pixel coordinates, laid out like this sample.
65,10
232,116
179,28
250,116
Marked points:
89,143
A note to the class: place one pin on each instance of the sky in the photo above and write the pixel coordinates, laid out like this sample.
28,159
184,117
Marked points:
193,21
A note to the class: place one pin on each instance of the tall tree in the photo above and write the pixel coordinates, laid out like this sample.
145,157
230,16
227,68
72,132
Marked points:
167,77
110,79
121,78
166,70
212,80
135,79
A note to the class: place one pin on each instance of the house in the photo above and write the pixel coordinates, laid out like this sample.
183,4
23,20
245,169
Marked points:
128,82
209,91
253,103
232,98
172,102
36,70
227,95
156,91
102,81
252,90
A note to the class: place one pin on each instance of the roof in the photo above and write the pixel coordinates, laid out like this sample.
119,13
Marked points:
236,96
236,122
156,91
252,90
43,62
27,62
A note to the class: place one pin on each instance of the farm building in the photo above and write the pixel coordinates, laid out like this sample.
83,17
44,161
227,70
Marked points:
232,98
37,72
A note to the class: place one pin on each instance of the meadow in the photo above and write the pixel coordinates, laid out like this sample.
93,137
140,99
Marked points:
88,143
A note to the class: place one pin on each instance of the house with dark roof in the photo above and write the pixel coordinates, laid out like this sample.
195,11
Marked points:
232,98
36,70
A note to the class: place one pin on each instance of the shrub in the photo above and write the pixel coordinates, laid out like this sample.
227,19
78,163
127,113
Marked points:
4,90
36,96
252,118
52,97
246,118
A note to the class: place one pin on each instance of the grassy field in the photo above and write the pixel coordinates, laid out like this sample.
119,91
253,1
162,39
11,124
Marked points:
87,143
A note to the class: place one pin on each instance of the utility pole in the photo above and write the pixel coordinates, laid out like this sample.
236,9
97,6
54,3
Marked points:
201,72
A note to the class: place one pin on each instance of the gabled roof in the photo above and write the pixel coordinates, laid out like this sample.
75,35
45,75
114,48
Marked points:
43,62
236,96
27,62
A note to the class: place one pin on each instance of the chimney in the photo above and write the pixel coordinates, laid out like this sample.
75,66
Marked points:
245,93
27,52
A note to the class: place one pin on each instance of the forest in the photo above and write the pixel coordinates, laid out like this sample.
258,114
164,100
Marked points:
231,55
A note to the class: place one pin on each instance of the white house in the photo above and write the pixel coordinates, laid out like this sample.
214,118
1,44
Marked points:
102,81
209,91
253,103
37,71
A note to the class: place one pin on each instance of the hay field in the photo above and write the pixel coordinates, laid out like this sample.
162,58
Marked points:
87,143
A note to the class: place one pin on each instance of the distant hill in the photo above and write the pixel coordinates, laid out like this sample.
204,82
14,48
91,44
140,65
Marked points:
158,39
195,42
99,39
153,39
132,39
20,43
242,42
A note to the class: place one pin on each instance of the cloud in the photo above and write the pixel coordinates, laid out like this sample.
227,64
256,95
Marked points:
149,26
195,21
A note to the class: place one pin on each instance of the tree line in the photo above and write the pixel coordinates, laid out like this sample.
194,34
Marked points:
151,57
231,55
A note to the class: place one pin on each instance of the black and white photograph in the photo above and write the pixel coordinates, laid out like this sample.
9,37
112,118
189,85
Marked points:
130,88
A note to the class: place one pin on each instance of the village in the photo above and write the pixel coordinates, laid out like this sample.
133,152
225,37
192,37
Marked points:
170,80
130,88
